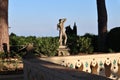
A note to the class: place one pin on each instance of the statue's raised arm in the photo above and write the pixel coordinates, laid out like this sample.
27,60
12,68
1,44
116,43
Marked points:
64,19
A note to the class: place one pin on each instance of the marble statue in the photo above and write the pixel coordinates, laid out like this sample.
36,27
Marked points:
62,33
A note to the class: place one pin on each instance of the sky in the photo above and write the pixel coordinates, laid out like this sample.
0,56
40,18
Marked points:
40,17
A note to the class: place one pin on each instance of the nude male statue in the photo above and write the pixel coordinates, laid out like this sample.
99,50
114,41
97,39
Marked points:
60,27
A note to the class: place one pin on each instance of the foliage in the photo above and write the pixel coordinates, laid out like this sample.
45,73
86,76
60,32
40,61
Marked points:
82,44
94,41
72,44
2,55
48,45
45,45
16,42
113,39
85,45
110,50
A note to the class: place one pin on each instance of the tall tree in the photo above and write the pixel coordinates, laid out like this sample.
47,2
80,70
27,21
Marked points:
102,24
4,35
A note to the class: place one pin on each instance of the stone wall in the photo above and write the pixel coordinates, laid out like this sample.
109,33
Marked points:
107,65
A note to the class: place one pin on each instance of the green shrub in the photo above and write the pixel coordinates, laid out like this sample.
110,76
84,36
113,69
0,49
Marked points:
48,46
113,39
110,50
94,40
45,45
72,44
85,45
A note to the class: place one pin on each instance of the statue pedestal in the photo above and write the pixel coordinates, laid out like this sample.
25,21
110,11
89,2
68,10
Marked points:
63,51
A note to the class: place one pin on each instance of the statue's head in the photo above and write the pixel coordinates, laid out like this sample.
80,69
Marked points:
60,20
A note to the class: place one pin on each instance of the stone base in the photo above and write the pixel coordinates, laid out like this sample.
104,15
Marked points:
63,51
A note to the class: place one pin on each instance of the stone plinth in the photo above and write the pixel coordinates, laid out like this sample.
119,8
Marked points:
63,51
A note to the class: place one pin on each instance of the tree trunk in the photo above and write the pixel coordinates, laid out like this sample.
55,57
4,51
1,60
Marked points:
4,35
102,24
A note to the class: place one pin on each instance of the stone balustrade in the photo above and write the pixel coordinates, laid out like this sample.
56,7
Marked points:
107,65
79,67
36,69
